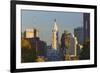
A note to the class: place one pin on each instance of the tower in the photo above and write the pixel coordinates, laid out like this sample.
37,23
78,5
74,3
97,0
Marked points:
55,36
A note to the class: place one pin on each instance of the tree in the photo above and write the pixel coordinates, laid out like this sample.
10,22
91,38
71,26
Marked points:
27,52
25,44
40,59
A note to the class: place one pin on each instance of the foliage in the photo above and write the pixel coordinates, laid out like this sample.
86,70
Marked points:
25,44
40,59
27,52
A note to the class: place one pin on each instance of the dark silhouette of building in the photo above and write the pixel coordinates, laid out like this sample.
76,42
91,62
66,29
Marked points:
53,55
38,45
86,26
85,54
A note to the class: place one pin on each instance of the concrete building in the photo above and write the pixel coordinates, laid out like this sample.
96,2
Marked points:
68,43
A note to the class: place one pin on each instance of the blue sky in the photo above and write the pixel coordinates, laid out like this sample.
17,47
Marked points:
44,21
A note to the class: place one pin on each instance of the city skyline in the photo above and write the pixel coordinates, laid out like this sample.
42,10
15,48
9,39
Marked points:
41,19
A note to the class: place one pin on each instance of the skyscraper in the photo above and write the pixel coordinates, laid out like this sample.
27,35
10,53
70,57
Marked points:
85,54
78,32
55,36
86,23
68,45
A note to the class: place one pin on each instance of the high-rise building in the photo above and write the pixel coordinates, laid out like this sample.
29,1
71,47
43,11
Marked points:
55,36
79,34
31,33
68,43
86,26
85,54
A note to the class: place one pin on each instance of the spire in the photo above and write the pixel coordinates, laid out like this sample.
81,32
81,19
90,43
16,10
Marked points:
55,25
55,20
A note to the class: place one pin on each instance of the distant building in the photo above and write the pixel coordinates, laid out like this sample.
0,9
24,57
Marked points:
55,36
31,33
79,34
64,44
53,55
86,26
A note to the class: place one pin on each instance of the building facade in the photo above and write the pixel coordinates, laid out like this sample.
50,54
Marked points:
31,33
68,45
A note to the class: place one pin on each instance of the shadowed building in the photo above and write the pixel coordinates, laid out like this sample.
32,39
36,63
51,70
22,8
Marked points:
78,32
38,47
86,26
85,54
53,55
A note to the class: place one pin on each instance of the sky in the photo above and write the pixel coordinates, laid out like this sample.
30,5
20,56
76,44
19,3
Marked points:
44,22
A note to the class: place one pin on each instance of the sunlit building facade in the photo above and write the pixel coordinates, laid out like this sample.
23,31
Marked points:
31,33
